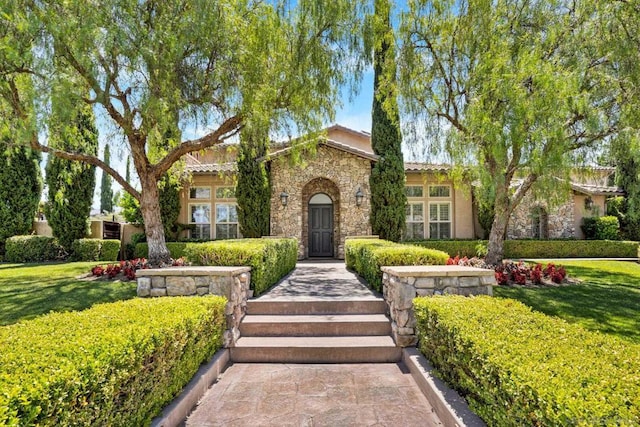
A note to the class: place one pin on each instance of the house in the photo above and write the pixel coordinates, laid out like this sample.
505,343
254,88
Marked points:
325,198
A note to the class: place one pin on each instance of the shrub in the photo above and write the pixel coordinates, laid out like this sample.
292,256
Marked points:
461,248
95,250
366,256
33,249
269,259
114,364
601,228
518,367
176,249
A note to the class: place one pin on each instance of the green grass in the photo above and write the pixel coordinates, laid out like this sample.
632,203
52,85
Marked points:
29,290
608,299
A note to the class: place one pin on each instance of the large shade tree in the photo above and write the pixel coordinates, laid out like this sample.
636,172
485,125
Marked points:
178,76
514,91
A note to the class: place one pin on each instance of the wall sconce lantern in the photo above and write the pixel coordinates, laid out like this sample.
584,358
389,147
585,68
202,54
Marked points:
284,198
588,203
359,197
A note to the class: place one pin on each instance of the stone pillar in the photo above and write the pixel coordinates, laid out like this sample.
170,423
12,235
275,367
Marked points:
402,284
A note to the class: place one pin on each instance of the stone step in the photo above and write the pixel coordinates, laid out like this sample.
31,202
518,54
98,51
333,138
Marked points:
360,349
315,325
364,306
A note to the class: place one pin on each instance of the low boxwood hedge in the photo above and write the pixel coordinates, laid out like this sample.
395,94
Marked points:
114,364
95,250
269,259
517,249
518,367
33,249
366,256
176,249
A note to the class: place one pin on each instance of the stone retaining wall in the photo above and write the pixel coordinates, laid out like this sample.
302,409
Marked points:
230,282
402,284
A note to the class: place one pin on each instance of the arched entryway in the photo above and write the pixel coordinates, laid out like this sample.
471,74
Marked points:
321,218
320,226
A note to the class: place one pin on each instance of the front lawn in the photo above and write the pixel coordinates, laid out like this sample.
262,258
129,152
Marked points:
29,290
608,299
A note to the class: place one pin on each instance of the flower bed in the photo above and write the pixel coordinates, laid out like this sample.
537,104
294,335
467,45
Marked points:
126,270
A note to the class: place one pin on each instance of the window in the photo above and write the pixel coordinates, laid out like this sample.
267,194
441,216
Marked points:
415,221
200,193
413,190
439,191
225,192
439,220
226,221
200,217
539,223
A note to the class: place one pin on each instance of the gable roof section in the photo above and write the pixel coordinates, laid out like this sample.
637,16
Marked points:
329,143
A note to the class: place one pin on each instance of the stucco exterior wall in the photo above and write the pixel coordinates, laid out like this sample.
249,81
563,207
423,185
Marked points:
333,172
580,211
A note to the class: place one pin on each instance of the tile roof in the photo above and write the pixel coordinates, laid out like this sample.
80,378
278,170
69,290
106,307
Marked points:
425,167
212,167
597,190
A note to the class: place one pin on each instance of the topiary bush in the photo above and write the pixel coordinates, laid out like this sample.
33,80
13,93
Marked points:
95,250
519,367
114,364
269,259
601,228
461,248
366,256
33,249
176,249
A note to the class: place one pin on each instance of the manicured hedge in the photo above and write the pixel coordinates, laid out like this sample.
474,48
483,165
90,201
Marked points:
95,250
176,249
115,364
518,249
366,256
33,249
269,259
518,367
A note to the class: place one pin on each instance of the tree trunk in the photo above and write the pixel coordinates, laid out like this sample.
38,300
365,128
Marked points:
150,209
495,247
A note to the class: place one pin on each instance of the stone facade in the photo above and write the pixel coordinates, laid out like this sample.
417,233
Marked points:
230,282
402,284
560,223
336,173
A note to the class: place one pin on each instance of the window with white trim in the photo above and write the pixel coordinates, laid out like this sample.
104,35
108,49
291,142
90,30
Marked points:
200,193
225,192
227,221
442,191
415,221
413,190
440,220
200,219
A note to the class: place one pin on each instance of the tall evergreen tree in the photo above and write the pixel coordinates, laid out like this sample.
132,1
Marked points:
106,192
127,175
71,183
20,188
253,192
387,180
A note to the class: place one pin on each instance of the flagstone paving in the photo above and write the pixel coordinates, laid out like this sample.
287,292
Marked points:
314,395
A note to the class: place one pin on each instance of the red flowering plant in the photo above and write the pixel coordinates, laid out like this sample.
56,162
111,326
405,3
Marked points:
127,269
517,273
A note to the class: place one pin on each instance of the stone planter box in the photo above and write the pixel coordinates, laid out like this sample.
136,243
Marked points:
230,282
403,283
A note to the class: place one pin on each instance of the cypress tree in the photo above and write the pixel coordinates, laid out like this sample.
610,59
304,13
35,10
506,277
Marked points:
387,180
20,188
71,183
106,192
253,193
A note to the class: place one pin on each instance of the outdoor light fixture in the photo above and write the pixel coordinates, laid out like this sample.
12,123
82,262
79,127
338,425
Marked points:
284,198
588,203
359,197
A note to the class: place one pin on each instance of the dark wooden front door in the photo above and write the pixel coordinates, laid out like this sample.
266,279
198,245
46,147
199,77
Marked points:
320,230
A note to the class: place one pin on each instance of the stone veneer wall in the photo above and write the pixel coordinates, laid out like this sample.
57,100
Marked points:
338,174
230,282
561,220
402,284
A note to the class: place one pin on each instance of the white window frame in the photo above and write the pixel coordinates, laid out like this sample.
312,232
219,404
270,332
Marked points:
438,220
192,222
225,186
448,186
415,185
410,204
237,223
200,186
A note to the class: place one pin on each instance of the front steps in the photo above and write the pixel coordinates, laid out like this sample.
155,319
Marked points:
321,331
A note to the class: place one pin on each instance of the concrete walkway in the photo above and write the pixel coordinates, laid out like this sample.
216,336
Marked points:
314,395
319,280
